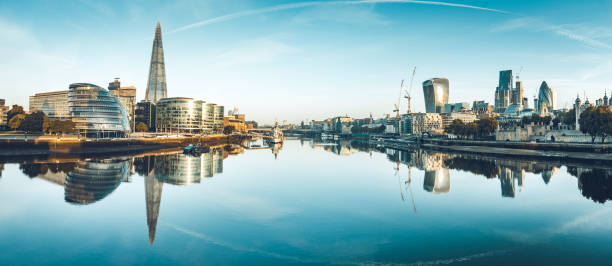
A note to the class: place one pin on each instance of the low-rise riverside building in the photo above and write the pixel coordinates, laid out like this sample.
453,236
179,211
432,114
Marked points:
54,104
3,114
235,120
97,112
465,117
179,114
419,123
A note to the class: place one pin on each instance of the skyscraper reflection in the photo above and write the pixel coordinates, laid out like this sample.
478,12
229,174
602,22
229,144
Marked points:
437,181
153,191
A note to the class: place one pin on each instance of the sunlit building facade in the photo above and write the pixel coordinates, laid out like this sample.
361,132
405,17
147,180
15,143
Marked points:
97,112
218,118
53,104
3,114
209,117
127,97
435,91
179,114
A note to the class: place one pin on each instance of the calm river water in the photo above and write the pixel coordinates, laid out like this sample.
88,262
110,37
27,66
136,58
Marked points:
305,203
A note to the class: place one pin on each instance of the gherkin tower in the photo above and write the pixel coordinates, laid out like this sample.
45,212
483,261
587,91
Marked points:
156,87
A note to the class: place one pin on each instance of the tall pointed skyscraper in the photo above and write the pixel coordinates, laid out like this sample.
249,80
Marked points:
156,87
153,190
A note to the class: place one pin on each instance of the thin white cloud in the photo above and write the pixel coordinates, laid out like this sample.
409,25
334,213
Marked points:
584,34
255,51
326,3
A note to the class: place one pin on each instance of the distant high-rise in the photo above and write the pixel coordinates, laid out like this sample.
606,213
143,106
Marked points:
435,91
503,92
156,87
546,96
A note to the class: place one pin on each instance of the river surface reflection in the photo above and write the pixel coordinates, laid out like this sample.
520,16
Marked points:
305,202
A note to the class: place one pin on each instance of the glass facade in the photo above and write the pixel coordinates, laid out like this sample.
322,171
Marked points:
156,86
218,115
209,117
436,94
179,115
546,97
96,112
53,104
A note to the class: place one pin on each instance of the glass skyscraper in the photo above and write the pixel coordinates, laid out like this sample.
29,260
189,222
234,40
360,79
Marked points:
435,91
156,86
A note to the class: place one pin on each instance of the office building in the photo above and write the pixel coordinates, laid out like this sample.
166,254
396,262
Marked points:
435,91
156,86
127,97
145,113
3,114
209,118
53,104
96,111
546,99
419,123
465,117
179,114
235,120
218,118
482,107
503,92
456,107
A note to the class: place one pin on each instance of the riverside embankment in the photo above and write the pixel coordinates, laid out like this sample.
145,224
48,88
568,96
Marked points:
63,147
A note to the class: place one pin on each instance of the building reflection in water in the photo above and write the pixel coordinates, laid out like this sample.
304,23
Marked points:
153,191
91,181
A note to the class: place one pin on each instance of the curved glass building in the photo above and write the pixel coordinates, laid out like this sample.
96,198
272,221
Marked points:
96,112
546,96
92,181
436,94
179,114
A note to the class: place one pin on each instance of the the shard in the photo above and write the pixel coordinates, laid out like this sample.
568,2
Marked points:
153,190
156,87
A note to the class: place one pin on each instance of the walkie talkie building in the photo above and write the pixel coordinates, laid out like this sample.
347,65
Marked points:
435,91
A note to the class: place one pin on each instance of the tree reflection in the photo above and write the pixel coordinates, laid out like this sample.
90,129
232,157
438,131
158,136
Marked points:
33,170
476,166
596,185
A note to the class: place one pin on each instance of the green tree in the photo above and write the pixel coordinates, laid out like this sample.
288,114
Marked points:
596,122
15,121
68,126
15,110
228,130
141,127
486,126
35,122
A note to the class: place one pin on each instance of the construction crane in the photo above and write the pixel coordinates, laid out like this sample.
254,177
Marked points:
396,110
519,73
409,90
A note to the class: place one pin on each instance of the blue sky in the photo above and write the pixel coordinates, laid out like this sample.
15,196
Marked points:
291,60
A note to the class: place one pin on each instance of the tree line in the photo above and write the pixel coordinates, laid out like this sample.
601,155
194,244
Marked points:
477,129
37,122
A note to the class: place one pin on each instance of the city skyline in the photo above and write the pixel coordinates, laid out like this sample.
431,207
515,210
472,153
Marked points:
303,58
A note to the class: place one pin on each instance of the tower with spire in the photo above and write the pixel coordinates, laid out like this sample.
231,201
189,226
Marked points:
156,86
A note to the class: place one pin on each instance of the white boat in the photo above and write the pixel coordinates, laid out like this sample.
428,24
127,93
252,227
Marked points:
277,135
